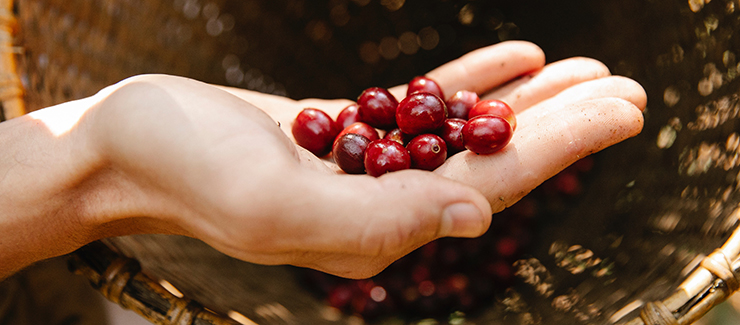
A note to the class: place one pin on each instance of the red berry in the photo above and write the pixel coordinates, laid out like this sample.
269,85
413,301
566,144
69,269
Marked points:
360,128
398,136
494,107
385,156
421,112
422,83
506,246
568,183
486,134
451,133
377,107
459,105
348,115
340,296
314,130
349,153
427,151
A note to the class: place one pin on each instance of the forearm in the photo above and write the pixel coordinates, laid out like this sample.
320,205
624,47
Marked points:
56,192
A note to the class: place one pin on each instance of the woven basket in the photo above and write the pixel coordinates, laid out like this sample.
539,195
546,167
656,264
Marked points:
651,241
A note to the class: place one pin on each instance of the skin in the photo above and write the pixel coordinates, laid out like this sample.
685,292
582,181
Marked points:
163,154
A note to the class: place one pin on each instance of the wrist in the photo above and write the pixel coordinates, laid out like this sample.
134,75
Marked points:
57,193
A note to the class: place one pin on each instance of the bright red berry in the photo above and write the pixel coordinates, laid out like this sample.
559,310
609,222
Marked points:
421,112
348,115
361,128
459,105
385,156
315,130
422,83
486,134
494,107
377,107
428,151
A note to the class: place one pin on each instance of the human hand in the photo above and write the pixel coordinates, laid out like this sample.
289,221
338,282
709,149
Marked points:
160,154
172,155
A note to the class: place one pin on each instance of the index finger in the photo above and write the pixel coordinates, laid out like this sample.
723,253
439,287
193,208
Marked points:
485,68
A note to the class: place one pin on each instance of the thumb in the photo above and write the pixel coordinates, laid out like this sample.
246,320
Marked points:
390,215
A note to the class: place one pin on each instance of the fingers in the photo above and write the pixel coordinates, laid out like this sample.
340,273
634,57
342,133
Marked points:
547,141
553,78
613,86
483,69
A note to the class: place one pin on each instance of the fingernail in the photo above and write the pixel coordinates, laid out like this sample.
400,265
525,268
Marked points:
461,220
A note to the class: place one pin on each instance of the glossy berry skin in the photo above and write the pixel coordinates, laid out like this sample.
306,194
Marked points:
459,105
315,130
486,134
348,115
377,107
398,136
385,156
425,84
451,133
494,107
421,112
361,128
427,151
349,153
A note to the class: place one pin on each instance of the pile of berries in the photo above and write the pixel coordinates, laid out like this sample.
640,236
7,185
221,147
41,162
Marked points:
421,131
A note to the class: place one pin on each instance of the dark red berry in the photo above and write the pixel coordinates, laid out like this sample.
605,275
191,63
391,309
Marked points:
425,84
340,296
486,134
377,107
567,183
385,156
428,151
348,115
398,136
421,112
361,128
459,105
349,153
451,133
494,107
506,246
315,130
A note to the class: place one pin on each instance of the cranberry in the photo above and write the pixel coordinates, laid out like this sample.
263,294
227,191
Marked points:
315,130
377,107
349,153
360,128
348,115
494,107
385,156
398,136
451,133
486,134
567,183
425,84
428,151
421,112
459,105
340,296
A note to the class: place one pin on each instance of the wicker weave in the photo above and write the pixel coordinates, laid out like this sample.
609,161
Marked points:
661,245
